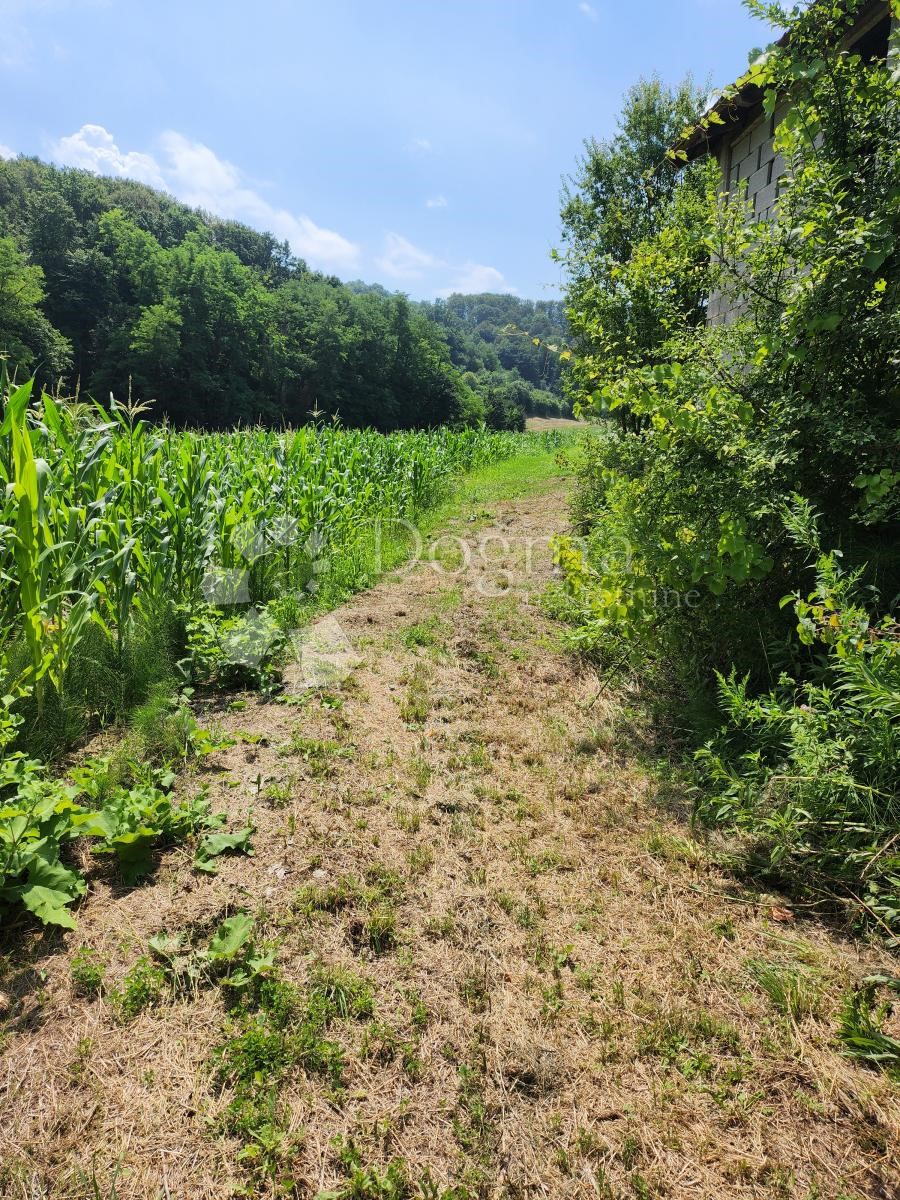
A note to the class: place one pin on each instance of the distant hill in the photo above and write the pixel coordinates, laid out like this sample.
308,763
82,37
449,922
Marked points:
493,340
108,283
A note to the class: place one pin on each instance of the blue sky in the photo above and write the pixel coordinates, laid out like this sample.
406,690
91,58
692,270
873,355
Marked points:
415,144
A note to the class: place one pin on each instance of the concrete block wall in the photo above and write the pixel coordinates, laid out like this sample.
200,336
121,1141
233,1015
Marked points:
749,159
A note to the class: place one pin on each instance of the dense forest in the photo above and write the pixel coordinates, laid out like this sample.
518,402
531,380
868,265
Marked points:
510,371
108,284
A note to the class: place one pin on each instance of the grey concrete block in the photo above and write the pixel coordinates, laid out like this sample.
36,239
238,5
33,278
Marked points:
766,197
740,148
759,133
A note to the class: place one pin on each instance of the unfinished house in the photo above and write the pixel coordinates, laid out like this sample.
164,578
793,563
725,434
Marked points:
744,144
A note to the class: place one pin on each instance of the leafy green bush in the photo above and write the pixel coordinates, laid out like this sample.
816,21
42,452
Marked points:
721,424
811,769
686,552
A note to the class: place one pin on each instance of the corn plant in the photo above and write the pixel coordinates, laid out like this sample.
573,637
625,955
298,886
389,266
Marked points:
108,523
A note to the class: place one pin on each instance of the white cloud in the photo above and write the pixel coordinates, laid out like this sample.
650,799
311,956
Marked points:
94,148
200,177
402,260
436,202
589,11
476,277
6,152
405,262
422,144
197,176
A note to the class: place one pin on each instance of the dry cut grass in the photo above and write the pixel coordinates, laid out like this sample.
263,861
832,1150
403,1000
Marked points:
505,967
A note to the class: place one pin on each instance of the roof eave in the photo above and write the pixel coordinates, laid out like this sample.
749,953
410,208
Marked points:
732,111
745,96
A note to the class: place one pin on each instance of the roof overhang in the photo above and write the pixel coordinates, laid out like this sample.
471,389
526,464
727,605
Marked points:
741,104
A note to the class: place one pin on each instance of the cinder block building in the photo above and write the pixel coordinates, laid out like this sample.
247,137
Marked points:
743,145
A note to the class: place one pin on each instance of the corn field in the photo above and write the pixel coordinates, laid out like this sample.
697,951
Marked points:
110,524
137,562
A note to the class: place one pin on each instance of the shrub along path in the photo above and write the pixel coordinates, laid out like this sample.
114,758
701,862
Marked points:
514,972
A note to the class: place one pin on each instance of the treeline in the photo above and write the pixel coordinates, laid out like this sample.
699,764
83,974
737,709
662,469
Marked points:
509,351
107,283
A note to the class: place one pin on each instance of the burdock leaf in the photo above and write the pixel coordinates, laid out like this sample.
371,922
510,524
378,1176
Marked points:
230,937
49,905
215,844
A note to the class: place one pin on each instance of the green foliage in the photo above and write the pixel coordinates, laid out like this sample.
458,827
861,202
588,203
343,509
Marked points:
105,280
394,1182
88,972
697,512
811,769
140,988
41,815
342,993
379,929
369,1183
862,1021
507,348
216,844
231,958
25,332
37,817
136,822
373,899
164,731
688,1041
631,262
276,1031
505,406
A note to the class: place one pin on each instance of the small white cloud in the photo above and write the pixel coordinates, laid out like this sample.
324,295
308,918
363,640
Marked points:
197,176
6,152
476,277
589,11
95,149
421,144
436,202
402,260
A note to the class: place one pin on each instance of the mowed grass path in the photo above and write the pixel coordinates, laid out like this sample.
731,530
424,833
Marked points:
504,967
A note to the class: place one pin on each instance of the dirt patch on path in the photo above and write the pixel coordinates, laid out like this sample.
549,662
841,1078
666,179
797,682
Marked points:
561,1001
